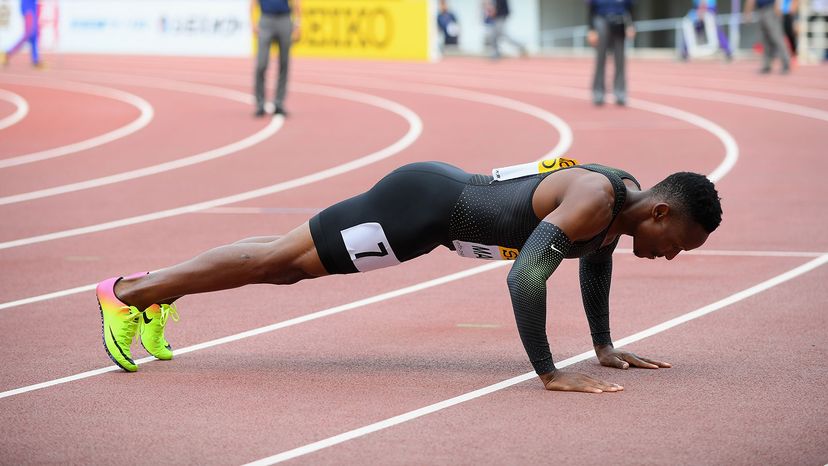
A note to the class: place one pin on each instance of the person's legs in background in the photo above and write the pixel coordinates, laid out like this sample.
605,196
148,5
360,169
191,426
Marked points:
771,29
619,86
283,31
30,32
497,34
598,85
790,33
262,59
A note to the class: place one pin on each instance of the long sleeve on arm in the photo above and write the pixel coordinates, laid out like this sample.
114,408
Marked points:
540,256
595,273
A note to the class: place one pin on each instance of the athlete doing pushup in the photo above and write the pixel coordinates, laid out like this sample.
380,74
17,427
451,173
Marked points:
536,214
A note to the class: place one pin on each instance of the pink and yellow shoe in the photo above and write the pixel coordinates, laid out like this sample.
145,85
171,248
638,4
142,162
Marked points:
152,330
119,324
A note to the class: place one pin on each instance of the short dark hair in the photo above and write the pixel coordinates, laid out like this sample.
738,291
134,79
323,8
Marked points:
695,195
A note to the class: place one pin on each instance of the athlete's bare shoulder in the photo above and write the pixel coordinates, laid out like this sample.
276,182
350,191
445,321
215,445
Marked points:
578,201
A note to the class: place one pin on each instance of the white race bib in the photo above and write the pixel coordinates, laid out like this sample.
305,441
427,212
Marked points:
368,247
532,168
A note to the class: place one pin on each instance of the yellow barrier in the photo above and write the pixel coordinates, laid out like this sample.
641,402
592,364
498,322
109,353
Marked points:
383,29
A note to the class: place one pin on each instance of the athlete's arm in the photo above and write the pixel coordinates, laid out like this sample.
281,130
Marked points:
577,216
595,273
545,249
538,259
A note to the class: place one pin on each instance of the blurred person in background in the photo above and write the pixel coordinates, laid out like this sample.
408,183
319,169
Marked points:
275,25
448,26
30,11
702,8
610,24
499,12
769,15
790,10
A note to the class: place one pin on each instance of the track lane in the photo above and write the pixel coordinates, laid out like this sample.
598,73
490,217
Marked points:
249,366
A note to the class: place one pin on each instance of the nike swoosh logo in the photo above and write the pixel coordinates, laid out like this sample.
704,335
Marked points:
146,319
552,246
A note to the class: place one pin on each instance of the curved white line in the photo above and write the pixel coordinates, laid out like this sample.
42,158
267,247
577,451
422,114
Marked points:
564,143
727,140
731,148
342,437
560,125
257,137
414,131
212,91
564,130
738,99
143,119
17,101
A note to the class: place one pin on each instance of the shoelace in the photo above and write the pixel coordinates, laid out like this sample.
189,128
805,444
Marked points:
167,310
133,320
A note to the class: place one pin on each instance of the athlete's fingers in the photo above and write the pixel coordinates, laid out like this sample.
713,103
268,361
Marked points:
576,382
637,362
657,363
610,387
616,362
604,386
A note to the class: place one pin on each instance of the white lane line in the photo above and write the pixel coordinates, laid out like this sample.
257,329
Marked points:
727,140
279,325
687,92
731,148
411,415
212,91
401,292
740,99
414,131
147,114
250,141
47,296
710,252
564,142
563,129
22,108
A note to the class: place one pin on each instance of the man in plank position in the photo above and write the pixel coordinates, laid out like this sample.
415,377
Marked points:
536,214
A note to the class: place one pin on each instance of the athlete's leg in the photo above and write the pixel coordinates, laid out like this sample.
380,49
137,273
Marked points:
259,239
285,260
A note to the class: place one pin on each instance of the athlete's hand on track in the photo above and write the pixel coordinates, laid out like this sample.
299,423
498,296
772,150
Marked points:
576,382
611,357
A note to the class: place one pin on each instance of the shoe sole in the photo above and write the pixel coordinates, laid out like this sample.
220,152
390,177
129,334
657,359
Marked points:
106,347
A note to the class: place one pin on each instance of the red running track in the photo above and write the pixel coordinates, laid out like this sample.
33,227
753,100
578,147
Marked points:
747,378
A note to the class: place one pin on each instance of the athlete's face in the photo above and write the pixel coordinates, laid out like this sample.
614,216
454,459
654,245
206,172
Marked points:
666,234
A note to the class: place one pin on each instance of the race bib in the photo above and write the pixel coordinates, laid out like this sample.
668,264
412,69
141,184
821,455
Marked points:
368,247
532,168
484,251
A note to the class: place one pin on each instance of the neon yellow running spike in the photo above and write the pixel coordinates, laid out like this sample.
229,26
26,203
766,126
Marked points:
152,330
119,324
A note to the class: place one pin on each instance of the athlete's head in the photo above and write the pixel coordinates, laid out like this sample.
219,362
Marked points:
685,209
